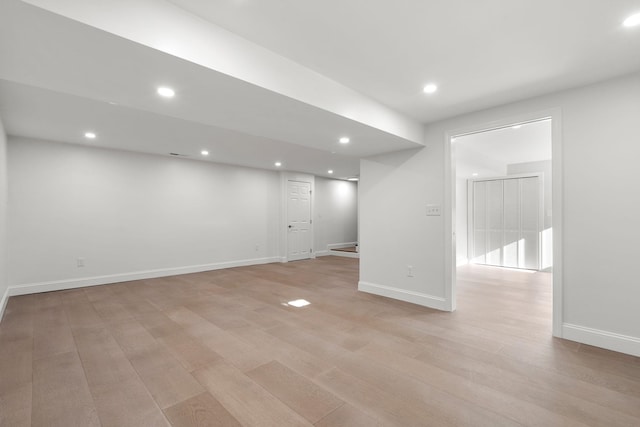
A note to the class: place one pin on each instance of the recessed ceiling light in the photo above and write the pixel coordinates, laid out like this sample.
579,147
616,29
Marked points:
474,174
204,152
352,179
344,140
90,135
298,303
330,171
430,88
632,21
278,164
166,92
516,127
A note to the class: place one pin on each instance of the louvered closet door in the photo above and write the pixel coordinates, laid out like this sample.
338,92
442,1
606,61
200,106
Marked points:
511,222
495,222
480,222
506,225
530,236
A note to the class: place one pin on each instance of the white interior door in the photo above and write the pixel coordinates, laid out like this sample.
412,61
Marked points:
298,220
506,222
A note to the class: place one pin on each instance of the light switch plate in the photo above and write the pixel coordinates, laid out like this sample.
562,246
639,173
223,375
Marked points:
433,210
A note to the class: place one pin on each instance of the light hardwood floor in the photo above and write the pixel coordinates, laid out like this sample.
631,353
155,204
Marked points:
222,348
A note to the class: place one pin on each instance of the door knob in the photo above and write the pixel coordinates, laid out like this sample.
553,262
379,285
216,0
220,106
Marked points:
291,226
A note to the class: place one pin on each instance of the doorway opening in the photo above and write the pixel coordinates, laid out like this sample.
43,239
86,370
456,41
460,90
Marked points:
504,196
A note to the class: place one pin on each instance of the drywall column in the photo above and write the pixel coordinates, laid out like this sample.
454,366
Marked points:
3,218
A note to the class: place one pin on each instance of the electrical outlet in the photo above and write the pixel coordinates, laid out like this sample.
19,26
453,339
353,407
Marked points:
80,262
409,270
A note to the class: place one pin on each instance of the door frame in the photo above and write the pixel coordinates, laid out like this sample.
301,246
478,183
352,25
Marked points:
555,114
285,177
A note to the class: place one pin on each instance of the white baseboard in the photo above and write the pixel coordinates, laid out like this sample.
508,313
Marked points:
404,295
340,245
59,285
3,303
609,340
330,251
338,253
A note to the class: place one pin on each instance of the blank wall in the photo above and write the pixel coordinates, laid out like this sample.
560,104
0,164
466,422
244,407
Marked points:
124,212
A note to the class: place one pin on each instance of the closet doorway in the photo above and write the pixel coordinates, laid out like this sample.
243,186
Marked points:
525,146
504,221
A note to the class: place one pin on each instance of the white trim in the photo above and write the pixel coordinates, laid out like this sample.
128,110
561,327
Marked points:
59,285
340,245
555,114
323,253
419,298
609,340
3,303
557,220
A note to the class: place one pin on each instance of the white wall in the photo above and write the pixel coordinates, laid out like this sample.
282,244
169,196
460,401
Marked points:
395,232
3,219
336,213
462,221
600,148
127,213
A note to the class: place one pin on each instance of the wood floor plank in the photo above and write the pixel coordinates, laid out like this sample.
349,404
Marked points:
241,354
52,334
202,410
296,391
16,357
127,403
171,385
347,416
377,404
102,358
189,352
132,337
423,398
564,404
81,313
158,324
15,406
293,357
249,403
507,404
61,395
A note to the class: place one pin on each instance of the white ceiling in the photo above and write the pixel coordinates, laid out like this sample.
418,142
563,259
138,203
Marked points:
330,68
488,153
481,53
